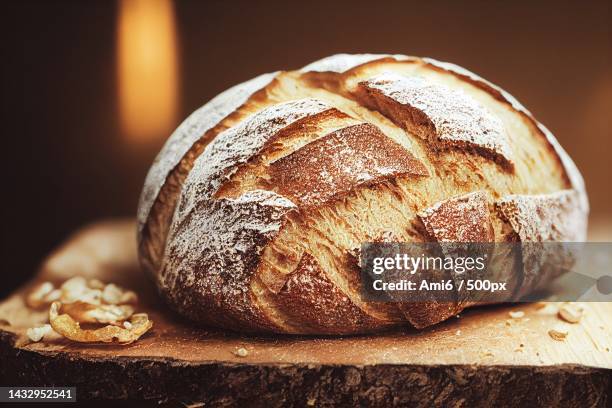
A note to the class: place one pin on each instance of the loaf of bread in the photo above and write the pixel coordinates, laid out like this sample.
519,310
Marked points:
252,213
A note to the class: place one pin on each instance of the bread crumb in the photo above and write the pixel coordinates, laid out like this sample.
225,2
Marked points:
36,334
311,402
458,333
242,352
517,315
558,334
570,313
127,325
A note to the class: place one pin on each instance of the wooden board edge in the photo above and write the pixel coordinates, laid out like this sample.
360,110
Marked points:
173,381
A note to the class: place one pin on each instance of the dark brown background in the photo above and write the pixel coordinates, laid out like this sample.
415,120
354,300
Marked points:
66,161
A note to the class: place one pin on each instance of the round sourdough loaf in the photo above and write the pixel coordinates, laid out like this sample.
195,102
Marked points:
252,214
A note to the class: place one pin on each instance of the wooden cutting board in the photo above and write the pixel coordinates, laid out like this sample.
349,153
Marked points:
482,358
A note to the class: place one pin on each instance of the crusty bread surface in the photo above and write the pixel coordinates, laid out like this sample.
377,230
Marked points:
253,213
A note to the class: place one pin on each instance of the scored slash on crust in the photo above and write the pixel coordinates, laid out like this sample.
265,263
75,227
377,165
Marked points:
208,272
442,116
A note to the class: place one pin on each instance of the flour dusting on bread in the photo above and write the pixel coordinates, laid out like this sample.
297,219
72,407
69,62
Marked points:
255,228
440,114
189,132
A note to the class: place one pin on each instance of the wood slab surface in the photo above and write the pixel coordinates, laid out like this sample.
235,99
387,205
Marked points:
483,357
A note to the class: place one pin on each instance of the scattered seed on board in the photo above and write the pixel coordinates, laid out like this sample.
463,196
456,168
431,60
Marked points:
557,334
570,314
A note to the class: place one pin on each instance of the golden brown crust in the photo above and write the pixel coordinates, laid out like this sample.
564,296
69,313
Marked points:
426,313
431,112
505,98
463,219
153,231
313,302
213,286
255,174
345,151
460,219
333,165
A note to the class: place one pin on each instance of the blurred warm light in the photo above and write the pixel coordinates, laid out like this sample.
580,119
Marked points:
597,118
147,68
